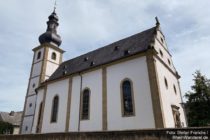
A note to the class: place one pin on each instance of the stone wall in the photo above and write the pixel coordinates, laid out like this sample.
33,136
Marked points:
147,134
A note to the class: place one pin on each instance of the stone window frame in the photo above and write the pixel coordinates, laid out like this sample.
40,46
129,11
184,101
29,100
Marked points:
122,99
81,105
52,110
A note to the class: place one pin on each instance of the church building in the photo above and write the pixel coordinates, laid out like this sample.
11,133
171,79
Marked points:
126,85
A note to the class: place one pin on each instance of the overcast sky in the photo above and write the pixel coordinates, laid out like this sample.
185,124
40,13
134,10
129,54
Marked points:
89,24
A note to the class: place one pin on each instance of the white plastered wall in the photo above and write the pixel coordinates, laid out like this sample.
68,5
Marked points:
16,130
51,67
75,103
168,95
57,55
36,69
162,46
30,109
59,88
27,125
31,88
93,81
135,70
36,54
40,94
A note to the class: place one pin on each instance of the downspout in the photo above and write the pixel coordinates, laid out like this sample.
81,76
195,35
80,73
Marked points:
80,101
183,105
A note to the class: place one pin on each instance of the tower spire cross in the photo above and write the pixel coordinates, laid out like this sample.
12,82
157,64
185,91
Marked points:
157,21
55,4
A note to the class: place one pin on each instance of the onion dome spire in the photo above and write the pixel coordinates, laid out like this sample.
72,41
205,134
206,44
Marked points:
51,36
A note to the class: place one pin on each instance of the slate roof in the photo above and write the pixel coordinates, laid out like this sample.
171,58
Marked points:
13,117
123,48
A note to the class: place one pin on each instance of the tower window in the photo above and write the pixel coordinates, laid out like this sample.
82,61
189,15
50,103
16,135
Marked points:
85,104
26,128
127,98
161,53
169,62
53,56
33,85
38,55
166,83
54,113
174,89
161,39
30,105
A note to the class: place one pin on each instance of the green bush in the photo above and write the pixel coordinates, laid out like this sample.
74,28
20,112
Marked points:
6,128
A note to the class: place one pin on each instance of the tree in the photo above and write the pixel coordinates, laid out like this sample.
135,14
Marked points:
6,128
198,101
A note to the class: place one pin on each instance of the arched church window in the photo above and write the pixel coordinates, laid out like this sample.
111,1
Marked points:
39,55
85,104
54,113
127,98
39,118
53,56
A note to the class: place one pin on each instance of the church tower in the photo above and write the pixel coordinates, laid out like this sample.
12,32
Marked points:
47,57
